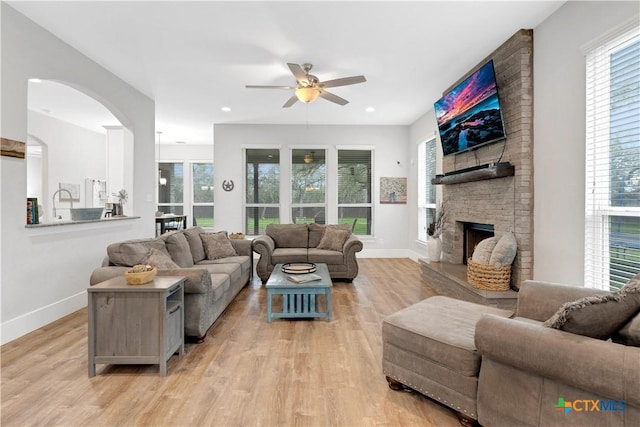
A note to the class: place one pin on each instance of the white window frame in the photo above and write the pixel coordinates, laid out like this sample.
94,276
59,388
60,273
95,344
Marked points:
423,181
373,190
192,195
597,180
282,202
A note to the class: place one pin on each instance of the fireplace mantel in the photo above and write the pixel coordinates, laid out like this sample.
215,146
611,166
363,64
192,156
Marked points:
490,171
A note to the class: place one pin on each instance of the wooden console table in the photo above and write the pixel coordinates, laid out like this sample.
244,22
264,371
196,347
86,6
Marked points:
142,324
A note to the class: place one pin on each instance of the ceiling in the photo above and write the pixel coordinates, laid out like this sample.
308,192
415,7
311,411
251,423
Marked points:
193,58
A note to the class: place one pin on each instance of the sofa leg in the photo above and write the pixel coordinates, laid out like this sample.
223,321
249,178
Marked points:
195,340
466,421
395,385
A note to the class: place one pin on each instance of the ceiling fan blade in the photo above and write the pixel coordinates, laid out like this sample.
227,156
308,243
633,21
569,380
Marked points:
269,87
333,98
290,102
343,81
299,74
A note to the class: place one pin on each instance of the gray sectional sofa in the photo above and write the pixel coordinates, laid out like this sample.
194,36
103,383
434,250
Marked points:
211,284
334,245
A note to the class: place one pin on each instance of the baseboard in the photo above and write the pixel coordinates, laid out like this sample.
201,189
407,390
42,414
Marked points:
28,322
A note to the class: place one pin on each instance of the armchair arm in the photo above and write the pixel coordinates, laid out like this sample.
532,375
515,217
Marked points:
352,245
264,245
101,274
540,300
601,367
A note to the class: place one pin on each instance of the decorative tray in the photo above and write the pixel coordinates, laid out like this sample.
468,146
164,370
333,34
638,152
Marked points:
298,267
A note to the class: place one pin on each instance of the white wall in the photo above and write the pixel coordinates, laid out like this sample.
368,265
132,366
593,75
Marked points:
45,271
559,133
391,159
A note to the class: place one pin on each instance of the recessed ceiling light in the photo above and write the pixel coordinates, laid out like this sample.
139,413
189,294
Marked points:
35,80
369,109
226,109
181,142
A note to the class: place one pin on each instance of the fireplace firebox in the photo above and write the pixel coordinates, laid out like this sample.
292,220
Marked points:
474,233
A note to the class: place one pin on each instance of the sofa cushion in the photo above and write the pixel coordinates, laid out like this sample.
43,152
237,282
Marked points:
317,230
505,251
440,329
159,259
325,256
599,316
289,235
285,255
178,248
195,243
131,252
333,238
315,234
242,260
217,245
234,271
219,285
484,249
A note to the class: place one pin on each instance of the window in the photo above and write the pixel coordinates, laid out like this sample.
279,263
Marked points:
612,234
354,190
308,183
202,191
426,190
262,203
171,188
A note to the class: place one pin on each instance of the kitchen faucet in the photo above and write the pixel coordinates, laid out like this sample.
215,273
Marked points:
54,201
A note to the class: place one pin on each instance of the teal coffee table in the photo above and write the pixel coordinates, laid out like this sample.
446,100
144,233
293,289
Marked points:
299,300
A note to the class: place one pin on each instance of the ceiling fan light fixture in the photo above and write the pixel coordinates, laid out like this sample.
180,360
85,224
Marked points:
307,94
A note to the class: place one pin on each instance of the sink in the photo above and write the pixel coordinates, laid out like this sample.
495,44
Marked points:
86,214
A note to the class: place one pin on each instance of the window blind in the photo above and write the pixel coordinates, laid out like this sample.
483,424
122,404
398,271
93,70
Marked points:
612,211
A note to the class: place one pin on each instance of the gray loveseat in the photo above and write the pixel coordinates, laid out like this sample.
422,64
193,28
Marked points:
211,284
514,371
285,243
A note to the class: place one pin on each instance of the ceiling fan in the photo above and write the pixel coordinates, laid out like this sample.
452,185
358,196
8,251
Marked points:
309,88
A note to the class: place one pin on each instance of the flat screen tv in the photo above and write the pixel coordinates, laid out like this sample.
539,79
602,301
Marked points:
469,115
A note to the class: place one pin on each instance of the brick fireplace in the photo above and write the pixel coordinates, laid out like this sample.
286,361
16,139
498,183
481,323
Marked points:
506,203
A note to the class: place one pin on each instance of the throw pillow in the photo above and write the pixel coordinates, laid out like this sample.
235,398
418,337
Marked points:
598,316
159,259
178,248
333,238
505,251
217,245
483,250
630,332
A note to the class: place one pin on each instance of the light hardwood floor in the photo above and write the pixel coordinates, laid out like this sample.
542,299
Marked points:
247,372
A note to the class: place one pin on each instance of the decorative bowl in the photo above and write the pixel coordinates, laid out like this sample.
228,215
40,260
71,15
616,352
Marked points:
135,277
239,236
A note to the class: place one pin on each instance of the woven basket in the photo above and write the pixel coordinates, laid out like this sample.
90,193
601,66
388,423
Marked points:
140,278
486,277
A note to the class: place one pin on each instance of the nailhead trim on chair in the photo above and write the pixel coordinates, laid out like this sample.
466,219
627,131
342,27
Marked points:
426,393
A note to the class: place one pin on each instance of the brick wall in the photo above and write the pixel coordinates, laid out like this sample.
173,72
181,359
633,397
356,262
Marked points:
507,203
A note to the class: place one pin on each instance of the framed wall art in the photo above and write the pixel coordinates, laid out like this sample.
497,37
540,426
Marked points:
393,190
